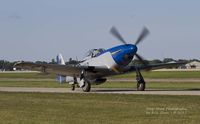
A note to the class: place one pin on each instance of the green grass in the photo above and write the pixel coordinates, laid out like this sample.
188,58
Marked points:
41,80
149,85
51,108
154,85
24,83
151,74
45,108
164,74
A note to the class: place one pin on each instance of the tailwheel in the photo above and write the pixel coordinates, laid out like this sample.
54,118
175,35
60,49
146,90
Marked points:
87,86
73,87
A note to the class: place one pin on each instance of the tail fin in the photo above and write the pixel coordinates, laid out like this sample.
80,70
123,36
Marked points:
60,60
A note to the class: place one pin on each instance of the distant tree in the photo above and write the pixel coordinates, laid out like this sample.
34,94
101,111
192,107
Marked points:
6,65
1,64
41,62
53,61
71,62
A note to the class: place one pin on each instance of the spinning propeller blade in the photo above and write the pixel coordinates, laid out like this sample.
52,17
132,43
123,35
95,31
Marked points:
116,34
143,34
140,58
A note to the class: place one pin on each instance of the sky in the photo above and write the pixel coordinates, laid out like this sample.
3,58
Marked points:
32,30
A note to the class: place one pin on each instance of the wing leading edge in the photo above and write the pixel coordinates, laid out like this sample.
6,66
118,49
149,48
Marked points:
92,71
67,70
155,66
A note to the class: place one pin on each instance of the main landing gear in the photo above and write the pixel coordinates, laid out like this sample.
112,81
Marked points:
140,81
87,86
82,82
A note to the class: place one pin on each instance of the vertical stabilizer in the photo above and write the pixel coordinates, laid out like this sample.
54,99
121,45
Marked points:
60,59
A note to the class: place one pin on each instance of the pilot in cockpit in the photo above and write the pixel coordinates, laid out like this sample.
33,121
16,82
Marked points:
94,52
97,52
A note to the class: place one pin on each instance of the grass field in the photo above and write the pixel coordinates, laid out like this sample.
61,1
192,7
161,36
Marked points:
151,85
47,108
164,74
51,108
41,80
151,74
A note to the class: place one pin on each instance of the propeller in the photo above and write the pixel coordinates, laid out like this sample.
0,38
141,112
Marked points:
141,59
116,34
141,37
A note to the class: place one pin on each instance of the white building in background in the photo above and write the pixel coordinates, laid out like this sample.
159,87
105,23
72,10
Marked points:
193,65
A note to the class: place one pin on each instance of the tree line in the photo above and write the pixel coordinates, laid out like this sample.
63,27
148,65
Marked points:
6,65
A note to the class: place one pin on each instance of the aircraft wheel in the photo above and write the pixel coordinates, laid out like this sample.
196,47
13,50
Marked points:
87,86
140,86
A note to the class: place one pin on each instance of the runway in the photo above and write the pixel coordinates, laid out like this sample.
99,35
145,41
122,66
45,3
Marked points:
102,91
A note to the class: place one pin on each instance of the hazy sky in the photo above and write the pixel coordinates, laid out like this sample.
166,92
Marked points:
40,29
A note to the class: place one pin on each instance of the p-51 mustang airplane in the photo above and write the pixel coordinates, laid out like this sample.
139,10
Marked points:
99,64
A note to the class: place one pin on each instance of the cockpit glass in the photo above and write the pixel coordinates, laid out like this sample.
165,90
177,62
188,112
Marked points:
94,52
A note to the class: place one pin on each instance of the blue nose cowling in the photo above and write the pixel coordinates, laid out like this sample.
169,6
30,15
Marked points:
133,49
126,54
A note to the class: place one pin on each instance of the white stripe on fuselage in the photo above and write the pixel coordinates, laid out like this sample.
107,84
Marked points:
104,60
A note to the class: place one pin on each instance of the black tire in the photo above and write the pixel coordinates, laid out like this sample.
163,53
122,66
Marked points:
87,86
140,86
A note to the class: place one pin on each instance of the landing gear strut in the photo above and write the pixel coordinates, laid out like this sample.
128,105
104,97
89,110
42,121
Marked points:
140,81
85,87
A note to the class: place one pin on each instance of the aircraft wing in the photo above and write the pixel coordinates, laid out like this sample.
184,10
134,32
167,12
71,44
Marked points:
155,66
92,71
68,70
